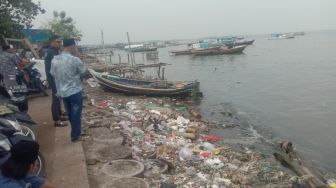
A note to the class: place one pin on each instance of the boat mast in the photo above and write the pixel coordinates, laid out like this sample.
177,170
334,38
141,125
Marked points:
103,46
129,49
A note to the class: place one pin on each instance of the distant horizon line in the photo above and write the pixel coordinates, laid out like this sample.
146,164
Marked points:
309,31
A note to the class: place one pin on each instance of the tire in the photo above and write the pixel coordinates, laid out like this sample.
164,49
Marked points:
40,171
28,131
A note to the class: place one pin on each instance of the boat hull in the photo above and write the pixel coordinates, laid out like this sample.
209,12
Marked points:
221,51
247,42
140,89
181,52
143,50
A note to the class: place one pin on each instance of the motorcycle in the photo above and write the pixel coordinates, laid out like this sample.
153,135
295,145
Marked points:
22,122
9,136
13,88
33,78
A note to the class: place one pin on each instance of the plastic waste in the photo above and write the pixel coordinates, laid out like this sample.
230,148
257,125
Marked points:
182,130
92,82
210,138
232,166
102,105
155,112
182,121
191,130
93,102
151,104
128,115
125,125
226,181
205,154
331,183
195,113
138,133
185,154
168,185
191,136
131,105
201,176
181,109
208,146
217,151
214,163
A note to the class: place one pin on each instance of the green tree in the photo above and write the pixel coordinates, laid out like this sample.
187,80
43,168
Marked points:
16,15
64,26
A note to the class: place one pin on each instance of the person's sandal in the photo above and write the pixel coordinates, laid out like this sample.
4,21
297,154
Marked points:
60,124
76,140
64,118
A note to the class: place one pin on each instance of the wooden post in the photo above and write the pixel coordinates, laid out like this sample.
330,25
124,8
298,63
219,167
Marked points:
119,58
159,72
128,58
110,58
163,73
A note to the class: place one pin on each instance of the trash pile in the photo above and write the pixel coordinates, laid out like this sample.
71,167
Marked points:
171,141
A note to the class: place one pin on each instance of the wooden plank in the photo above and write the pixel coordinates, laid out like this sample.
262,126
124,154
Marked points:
30,46
12,39
289,159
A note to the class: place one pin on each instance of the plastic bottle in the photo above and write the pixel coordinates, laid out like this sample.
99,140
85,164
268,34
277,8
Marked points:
331,183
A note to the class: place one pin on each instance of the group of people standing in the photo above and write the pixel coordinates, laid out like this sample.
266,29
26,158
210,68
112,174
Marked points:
63,70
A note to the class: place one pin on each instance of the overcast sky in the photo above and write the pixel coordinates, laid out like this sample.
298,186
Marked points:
184,19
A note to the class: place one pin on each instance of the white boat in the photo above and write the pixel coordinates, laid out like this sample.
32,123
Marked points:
139,48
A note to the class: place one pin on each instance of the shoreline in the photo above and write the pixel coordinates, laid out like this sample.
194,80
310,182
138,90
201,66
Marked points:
178,142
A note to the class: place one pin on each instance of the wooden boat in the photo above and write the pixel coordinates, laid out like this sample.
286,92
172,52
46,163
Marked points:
276,36
220,51
202,46
243,42
204,50
181,52
142,87
139,48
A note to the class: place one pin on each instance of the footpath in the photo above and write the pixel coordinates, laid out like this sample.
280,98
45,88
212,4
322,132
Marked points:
65,161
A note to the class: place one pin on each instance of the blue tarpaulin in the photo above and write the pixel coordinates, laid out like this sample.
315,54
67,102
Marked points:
36,35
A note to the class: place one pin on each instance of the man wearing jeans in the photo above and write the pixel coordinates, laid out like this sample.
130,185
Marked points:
66,69
53,50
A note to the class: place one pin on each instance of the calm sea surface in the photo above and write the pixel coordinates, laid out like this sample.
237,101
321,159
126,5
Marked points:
287,87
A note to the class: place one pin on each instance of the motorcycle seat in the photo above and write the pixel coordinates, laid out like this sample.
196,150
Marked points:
7,131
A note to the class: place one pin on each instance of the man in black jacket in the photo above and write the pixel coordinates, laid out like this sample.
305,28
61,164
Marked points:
53,50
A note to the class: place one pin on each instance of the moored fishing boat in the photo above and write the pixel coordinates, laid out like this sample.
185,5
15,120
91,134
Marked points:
244,42
181,52
276,36
220,51
139,48
144,87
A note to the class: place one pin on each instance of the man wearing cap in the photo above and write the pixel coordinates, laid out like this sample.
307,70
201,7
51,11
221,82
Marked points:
53,50
66,69
18,165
